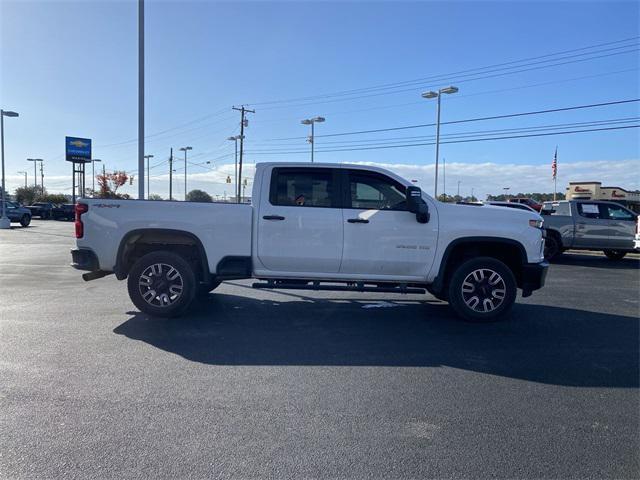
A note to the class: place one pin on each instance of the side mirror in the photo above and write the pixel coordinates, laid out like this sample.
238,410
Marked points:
415,204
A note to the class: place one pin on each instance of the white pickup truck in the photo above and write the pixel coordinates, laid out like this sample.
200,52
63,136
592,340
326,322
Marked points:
317,227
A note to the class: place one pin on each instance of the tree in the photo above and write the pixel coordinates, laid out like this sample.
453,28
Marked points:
155,196
109,184
199,196
26,195
52,198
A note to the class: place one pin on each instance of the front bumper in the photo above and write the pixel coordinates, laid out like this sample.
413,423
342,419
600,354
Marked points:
84,259
533,277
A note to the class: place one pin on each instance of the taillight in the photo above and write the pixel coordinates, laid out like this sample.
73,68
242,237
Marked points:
80,209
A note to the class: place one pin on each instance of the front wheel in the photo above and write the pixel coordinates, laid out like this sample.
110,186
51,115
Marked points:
614,254
482,290
25,220
552,247
162,284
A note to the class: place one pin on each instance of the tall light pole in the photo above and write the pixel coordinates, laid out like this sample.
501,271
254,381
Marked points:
185,150
506,191
35,174
235,176
93,176
4,220
438,95
312,122
147,157
25,178
458,194
140,99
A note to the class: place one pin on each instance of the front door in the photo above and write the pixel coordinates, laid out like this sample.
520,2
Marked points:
622,226
300,225
382,238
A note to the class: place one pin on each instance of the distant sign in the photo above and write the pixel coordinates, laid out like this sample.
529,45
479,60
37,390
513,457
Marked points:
78,149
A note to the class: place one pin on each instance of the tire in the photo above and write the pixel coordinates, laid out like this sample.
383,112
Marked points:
487,280
162,284
614,254
25,220
552,247
205,288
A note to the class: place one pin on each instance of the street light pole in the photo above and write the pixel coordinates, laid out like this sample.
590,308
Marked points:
25,178
438,95
311,139
93,176
35,174
147,157
140,99
4,220
185,149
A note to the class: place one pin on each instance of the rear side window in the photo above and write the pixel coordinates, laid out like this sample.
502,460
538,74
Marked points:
303,187
562,209
373,191
588,210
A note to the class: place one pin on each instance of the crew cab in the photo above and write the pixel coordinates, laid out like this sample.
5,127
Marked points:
43,210
589,225
318,227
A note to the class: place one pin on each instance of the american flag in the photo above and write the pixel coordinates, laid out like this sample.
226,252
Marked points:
554,165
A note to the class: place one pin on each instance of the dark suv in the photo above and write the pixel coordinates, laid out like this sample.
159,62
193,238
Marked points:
66,211
43,210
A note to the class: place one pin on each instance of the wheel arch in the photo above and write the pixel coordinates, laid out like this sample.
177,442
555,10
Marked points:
154,239
509,251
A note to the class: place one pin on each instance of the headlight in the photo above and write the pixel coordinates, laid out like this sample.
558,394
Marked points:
536,223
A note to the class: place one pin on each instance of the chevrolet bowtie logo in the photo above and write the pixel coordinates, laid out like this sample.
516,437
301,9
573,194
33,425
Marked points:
79,144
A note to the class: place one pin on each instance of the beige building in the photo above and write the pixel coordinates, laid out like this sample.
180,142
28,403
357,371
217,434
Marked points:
595,191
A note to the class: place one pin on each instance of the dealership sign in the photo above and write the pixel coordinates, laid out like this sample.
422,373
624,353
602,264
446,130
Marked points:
78,150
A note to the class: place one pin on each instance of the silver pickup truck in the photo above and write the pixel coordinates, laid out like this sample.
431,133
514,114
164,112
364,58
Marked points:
589,225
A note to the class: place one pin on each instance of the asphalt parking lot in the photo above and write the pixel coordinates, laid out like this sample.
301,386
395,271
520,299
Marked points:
290,384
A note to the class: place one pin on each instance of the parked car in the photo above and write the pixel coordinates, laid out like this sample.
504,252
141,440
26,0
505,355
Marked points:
529,202
17,213
519,206
65,211
43,210
589,225
315,227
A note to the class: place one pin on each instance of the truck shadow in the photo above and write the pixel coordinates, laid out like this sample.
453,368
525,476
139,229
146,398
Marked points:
544,344
593,261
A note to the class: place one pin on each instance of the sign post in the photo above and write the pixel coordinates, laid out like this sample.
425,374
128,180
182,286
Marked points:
78,152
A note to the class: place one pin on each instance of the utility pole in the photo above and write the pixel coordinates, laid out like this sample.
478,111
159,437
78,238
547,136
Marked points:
171,175
458,189
185,150
35,172
140,99
444,178
147,157
41,177
243,123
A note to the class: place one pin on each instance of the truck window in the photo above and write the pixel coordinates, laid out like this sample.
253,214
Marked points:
302,187
561,209
615,212
372,191
588,210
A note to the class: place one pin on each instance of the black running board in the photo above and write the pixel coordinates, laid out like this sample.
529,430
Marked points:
350,287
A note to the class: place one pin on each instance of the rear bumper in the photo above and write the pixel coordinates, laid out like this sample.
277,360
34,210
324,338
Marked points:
533,277
84,259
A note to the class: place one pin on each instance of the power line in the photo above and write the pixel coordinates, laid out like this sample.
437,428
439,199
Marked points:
447,75
452,141
467,120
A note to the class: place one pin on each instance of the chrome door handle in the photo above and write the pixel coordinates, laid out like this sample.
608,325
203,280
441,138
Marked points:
357,220
273,217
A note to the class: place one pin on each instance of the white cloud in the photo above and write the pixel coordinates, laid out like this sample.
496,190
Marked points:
485,177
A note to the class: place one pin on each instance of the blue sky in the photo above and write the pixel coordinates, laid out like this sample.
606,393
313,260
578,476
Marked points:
70,68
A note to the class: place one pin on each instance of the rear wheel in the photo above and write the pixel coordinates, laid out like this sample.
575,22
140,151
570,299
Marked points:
25,220
482,290
614,254
162,284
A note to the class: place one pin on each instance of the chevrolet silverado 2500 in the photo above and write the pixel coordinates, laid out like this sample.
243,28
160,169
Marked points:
320,227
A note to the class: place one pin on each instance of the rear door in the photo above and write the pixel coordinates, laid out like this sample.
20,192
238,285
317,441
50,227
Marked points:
592,227
622,225
300,222
382,238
